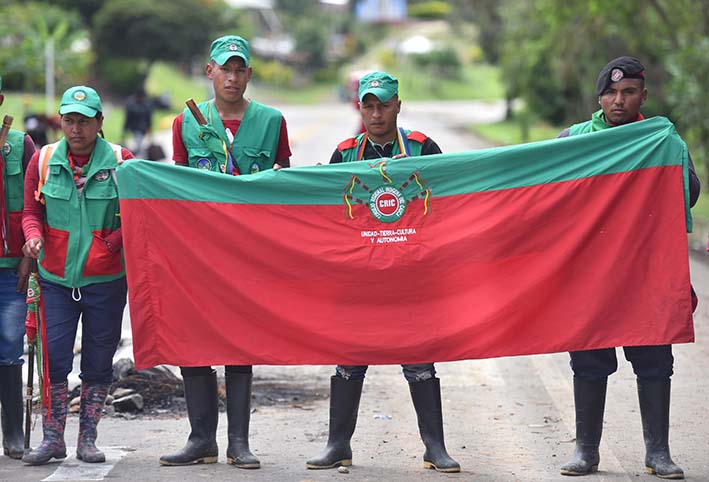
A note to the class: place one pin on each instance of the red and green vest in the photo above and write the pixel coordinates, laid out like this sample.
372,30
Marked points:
74,253
13,180
254,148
350,148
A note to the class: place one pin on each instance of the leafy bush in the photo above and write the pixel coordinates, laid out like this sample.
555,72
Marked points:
443,61
272,72
122,75
430,10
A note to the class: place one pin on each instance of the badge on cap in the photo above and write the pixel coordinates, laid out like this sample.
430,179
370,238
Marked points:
79,95
616,75
233,47
374,83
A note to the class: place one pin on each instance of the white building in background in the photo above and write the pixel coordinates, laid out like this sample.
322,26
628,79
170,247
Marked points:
381,10
272,42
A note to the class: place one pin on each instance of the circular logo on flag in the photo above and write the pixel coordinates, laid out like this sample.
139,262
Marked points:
204,164
30,293
616,75
102,175
7,149
254,168
79,95
387,204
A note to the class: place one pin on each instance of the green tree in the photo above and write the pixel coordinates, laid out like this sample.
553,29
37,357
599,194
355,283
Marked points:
552,51
86,8
129,35
176,30
310,43
26,29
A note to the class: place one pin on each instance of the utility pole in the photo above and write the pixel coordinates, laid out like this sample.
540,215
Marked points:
49,77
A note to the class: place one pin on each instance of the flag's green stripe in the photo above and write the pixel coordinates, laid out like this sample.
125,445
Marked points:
650,143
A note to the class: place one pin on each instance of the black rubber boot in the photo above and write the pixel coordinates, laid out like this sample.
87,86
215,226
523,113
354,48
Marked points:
590,401
203,413
654,397
344,405
426,396
238,409
13,438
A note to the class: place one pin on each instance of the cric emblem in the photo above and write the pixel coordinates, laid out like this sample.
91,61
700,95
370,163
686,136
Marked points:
387,203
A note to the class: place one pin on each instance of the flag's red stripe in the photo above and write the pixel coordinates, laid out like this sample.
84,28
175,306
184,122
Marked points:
577,265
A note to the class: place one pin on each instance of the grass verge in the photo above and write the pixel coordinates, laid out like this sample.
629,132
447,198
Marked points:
509,132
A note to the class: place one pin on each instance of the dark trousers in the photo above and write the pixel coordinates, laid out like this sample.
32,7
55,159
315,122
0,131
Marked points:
649,362
202,371
12,319
100,306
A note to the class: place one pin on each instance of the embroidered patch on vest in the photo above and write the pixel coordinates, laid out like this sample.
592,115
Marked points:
102,175
204,164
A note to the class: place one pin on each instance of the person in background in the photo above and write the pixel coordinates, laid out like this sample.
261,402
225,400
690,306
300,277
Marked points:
138,120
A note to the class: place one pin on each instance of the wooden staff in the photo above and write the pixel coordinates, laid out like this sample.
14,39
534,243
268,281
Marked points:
6,124
202,121
196,112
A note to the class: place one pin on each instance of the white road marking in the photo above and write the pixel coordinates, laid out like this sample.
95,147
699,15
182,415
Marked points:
73,469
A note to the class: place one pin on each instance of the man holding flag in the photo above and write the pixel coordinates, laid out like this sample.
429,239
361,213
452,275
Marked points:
621,92
379,106
16,150
234,135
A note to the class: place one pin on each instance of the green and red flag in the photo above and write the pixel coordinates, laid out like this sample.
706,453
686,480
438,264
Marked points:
568,244
36,331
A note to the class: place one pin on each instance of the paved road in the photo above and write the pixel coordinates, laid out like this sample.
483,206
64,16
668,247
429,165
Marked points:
508,419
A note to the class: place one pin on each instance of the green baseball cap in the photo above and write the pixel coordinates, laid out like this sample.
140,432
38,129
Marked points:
226,47
381,84
81,99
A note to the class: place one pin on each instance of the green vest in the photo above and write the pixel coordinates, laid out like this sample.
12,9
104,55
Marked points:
13,179
350,148
74,254
255,145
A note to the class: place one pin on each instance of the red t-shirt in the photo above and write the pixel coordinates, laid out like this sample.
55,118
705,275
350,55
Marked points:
179,153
